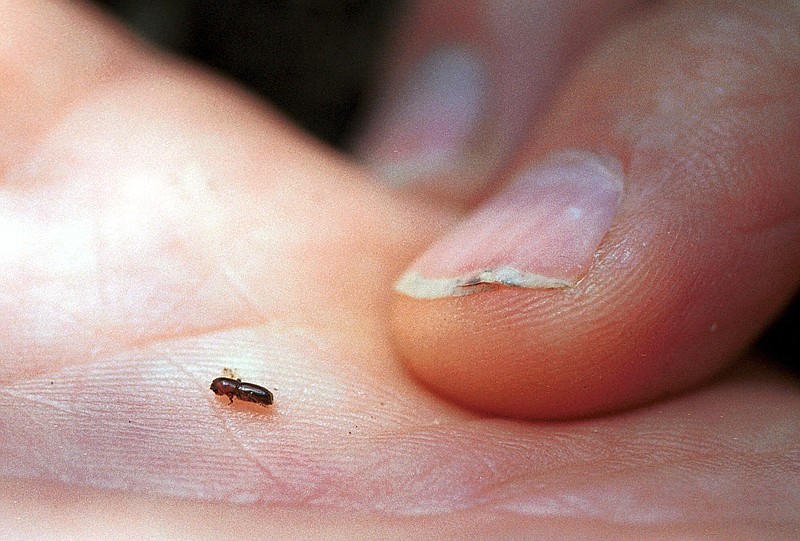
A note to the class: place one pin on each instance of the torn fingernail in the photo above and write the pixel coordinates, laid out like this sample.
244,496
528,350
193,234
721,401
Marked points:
541,231
427,127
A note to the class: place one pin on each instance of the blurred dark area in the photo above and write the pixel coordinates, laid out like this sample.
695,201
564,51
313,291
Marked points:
313,59
782,340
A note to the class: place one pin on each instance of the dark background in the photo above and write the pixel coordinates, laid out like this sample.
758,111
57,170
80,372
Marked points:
316,60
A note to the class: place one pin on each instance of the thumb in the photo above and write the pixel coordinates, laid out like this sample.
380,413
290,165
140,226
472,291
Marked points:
649,235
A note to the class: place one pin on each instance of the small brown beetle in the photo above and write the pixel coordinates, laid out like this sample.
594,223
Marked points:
249,392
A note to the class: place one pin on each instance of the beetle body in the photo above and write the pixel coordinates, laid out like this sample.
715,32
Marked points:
236,388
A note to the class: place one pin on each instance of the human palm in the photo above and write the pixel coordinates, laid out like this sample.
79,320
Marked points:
160,225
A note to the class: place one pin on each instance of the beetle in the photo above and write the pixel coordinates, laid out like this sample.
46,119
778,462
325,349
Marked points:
249,392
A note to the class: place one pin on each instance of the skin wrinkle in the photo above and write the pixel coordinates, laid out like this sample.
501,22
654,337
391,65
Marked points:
726,103
251,456
201,196
477,446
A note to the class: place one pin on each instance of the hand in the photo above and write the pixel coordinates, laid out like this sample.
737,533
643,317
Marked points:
160,225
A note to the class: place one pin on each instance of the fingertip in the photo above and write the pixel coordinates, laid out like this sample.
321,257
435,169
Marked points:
539,232
608,343
676,281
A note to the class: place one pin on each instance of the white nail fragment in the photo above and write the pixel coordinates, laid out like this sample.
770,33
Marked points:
415,285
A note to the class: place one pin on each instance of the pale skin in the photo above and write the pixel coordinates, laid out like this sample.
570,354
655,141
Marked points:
160,225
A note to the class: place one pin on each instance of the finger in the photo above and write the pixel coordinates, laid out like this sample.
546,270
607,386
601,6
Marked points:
648,235
459,96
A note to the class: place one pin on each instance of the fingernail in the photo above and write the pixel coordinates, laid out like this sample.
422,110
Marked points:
427,128
541,231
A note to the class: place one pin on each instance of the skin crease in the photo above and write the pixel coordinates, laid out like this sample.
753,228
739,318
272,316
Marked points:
160,225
